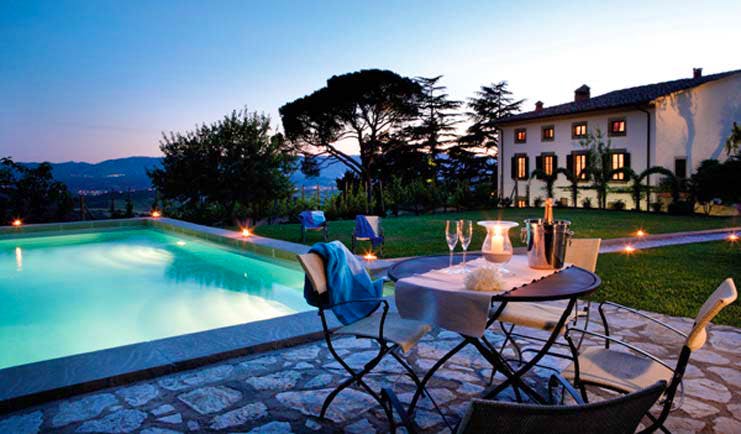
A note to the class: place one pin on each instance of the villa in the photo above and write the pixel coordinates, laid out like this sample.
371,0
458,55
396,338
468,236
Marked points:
675,124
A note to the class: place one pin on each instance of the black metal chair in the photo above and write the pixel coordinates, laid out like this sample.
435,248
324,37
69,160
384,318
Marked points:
621,415
626,372
375,223
392,333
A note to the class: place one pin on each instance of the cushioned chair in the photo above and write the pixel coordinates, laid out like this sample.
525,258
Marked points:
392,333
629,371
323,227
545,316
375,223
621,415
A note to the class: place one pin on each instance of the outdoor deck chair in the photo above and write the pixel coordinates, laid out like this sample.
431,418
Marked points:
307,224
544,316
627,372
621,415
357,234
388,329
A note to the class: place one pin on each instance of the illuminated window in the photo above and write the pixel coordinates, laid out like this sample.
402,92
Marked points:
580,163
520,135
579,130
548,165
521,167
548,133
616,127
617,161
521,203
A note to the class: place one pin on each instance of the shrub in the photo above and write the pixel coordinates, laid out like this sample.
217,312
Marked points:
681,208
656,207
538,202
618,205
586,203
506,202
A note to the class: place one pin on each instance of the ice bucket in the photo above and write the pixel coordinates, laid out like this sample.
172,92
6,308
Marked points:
546,243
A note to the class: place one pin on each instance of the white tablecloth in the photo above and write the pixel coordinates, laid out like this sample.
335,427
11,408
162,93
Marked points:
441,299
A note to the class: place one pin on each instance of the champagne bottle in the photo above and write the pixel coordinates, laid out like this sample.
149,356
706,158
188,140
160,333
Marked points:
548,218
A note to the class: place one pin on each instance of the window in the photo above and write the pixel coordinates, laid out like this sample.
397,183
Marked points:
521,167
580,163
548,164
578,130
617,161
680,167
616,127
521,203
520,135
548,133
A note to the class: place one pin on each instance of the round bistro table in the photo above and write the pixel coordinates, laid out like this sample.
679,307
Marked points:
567,284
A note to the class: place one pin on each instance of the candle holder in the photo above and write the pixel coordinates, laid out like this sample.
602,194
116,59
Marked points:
497,248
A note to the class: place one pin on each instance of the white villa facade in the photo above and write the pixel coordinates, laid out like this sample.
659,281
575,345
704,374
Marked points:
675,124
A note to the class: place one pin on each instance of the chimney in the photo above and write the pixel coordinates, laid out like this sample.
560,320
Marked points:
696,72
539,106
581,94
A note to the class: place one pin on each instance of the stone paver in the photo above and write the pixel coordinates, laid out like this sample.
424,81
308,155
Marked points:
283,391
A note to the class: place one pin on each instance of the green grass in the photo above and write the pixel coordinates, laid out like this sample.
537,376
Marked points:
673,280
424,235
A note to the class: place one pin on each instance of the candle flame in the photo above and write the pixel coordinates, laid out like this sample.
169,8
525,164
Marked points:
370,256
17,222
156,214
246,232
629,249
733,237
641,233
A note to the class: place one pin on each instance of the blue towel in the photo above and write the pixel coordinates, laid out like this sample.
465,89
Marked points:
363,229
312,219
347,280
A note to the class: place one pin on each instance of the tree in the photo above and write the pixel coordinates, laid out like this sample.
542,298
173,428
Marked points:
637,188
225,171
573,179
32,193
717,181
549,180
598,169
733,143
129,206
475,152
367,106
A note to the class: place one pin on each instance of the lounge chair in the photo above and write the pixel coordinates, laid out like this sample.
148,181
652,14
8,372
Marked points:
361,232
544,316
308,220
621,415
388,329
627,372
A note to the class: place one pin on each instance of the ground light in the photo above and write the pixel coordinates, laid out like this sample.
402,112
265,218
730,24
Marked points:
733,237
640,233
370,257
156,214
629,249
246,232
17,222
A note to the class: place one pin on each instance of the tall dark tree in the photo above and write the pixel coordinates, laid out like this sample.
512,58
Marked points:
368,107
226,171
475,152
32,194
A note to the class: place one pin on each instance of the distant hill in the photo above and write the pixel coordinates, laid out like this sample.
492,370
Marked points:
122,174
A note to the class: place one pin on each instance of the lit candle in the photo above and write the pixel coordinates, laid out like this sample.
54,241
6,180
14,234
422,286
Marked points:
733,237
641,233
246,232
370,257
17,222
156,214
497,241
629,249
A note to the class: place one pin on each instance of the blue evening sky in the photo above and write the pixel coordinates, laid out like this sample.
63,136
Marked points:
97,79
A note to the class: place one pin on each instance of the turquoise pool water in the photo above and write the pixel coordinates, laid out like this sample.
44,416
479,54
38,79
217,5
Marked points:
69,294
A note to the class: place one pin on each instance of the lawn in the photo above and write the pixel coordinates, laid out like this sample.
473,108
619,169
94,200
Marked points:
673,280
424,235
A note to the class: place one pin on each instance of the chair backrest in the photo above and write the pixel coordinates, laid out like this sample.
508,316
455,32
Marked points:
313,265
613,416
724,295
375,222
583,252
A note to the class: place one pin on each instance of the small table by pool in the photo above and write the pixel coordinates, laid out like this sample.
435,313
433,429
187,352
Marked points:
446,303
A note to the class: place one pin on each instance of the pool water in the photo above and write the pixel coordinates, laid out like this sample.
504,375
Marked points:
69,294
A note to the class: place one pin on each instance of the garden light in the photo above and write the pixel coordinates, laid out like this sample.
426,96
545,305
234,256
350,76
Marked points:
641,233
246,232
156,214
370,257
733,237
629,249
17,222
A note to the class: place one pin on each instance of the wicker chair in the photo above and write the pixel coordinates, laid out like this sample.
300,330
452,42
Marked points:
621,415
392,333
627,372
544,316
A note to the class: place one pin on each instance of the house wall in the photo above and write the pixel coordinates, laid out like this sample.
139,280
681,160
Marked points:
634,142
695,123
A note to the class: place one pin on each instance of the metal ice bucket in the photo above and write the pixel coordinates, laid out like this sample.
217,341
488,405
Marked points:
546,243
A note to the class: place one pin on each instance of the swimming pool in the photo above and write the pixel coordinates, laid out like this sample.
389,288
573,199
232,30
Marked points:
68,294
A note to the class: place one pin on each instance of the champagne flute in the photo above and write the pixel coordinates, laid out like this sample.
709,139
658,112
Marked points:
451,236
465,234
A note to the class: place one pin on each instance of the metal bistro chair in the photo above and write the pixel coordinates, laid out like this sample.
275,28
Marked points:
388,329
323,227
621,415
375,223
545,316
626,372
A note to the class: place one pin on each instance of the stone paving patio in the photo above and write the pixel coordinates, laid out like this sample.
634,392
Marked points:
282,391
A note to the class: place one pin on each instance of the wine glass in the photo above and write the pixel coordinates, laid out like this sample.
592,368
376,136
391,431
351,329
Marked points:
465,234
451,236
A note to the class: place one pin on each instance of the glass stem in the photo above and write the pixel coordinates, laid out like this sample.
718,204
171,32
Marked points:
464,259
450,265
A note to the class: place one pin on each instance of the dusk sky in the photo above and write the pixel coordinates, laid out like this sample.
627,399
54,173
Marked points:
92,80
